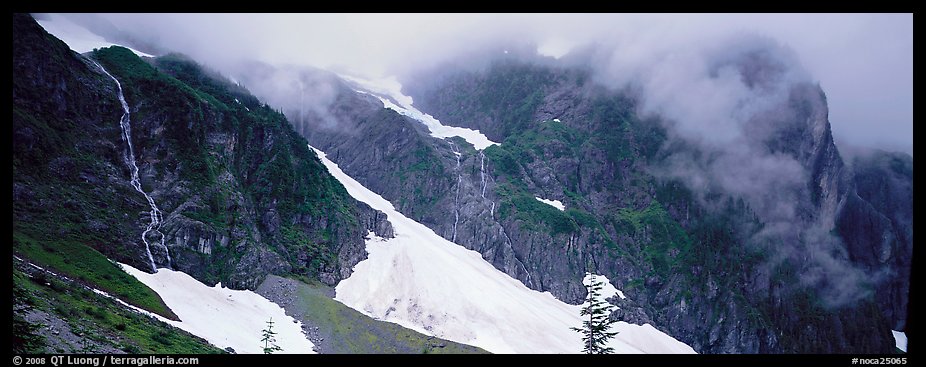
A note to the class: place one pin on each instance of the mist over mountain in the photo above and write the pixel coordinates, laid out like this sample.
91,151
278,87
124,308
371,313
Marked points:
446,183
851,55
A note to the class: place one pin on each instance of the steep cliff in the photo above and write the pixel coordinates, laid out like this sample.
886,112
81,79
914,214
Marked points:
763,295
241,194
702,266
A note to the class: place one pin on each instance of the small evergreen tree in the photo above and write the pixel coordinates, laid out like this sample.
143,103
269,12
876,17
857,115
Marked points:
269,339
595,334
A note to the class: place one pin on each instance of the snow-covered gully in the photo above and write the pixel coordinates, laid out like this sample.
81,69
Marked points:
424,282
224,317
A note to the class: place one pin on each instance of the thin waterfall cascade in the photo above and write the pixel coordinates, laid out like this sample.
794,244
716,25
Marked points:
456,199
156,215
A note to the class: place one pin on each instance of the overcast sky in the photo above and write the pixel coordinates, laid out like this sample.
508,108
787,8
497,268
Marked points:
864,62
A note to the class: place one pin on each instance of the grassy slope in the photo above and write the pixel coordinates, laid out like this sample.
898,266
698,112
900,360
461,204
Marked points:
60,220
68,223
87,265
102,320
348,331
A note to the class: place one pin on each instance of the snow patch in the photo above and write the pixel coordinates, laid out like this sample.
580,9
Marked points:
554,203
900,339
389,91
556,120
426,283
555,48
608,290
77,37
222,316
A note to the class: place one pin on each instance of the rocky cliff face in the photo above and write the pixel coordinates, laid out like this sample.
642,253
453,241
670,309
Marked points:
756,296
423,177
242,195
876,222
684,262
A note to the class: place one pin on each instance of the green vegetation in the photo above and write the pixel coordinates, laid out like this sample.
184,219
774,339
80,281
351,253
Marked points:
26,338
512,92
83,263
805,320
103,321
595,329
64,218
73,207
613,130
269,340
176,103
353,332
295,240
422,161
548,139
528,209
666,245
272,165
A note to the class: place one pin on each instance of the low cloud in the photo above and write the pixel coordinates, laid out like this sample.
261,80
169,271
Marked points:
720,82
863,61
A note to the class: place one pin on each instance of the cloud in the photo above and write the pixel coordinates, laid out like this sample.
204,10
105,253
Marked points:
863,61
727,105
721,82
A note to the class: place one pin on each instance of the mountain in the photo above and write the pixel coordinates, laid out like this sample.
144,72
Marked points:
831,199
226,192
467,206
829,275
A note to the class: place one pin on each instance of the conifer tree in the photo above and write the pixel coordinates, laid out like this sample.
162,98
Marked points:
269,339
595,334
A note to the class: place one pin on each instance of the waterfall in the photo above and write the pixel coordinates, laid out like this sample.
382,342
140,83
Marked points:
482,171
456,199
530,281
156,216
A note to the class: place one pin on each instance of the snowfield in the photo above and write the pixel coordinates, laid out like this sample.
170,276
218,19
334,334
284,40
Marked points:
389,91
608,290
424,282
222,316
554,203
77,37
900,339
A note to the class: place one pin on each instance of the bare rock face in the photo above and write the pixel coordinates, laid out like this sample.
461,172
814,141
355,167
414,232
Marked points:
241,194
596,158
876,223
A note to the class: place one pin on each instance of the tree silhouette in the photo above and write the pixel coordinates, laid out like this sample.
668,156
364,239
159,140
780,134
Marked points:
595,334
269,339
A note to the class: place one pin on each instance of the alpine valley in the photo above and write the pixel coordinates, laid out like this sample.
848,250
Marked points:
161,206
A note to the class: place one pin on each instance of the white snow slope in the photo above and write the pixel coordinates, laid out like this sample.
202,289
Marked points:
77,37
389,91
900,339
424,282
222,316
554,203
